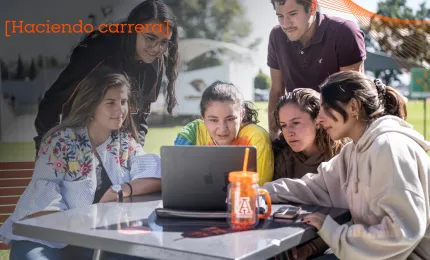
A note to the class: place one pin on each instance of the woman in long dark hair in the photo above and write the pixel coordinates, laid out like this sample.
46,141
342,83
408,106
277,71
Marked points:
381,176
142,56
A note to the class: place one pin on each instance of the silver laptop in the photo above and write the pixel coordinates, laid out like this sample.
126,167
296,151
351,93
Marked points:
195,178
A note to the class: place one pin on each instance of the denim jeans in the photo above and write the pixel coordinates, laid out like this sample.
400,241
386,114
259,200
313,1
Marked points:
28,250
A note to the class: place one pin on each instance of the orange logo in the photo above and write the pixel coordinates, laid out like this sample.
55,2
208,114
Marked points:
244,208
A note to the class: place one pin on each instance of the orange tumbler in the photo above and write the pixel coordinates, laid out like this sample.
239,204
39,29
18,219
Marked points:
243,200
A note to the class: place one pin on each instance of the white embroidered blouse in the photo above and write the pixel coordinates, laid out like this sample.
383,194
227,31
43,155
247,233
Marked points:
65,174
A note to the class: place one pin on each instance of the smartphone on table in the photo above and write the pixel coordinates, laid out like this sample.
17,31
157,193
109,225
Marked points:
288,212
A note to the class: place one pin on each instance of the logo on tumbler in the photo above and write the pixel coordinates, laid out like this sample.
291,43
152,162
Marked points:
243,210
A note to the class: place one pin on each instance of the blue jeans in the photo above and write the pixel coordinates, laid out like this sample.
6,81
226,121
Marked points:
28,250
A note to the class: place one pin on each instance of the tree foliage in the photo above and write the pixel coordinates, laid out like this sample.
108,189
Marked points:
32,73
20,70
4,70
262,81
221,20
409,40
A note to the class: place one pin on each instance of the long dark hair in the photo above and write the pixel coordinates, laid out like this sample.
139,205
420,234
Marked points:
376,99
156,10
92,91
222,92
148,10
308,101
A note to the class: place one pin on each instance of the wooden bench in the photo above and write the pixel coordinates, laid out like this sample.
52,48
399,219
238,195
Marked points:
14,178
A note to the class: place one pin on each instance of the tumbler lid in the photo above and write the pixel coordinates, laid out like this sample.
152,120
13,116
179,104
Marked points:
241,176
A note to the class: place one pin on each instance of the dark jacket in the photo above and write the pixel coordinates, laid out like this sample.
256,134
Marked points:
98,50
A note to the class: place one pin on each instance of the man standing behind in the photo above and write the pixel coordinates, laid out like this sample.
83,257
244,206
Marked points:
306,47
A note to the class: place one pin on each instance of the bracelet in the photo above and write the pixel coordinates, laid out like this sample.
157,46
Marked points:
131,189
120,196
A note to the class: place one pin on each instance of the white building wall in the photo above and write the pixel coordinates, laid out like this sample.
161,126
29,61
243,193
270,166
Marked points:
240,74
188,96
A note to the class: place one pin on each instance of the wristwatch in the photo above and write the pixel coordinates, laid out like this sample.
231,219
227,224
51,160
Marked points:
118,190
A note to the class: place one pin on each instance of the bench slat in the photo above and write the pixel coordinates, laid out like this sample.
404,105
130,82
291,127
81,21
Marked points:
3,218
7,209
12,174
8,200
14,182
16,165
16,174
11,191
4,246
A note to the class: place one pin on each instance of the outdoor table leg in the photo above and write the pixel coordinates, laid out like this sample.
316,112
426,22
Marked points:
97,254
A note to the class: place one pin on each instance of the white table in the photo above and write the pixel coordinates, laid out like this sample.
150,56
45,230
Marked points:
106,227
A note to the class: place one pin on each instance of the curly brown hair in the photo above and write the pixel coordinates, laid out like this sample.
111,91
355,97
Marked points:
308,100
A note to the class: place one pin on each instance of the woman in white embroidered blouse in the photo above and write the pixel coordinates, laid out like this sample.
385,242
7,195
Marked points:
84,160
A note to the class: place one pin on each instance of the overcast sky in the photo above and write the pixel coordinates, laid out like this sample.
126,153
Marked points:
259,12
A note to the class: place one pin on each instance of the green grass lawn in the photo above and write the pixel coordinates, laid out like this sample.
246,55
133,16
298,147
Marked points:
416,116
158,137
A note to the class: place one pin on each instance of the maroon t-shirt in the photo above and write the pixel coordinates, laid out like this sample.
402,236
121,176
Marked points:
337,43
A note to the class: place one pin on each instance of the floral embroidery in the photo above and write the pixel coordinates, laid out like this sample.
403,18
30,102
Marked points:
121,146
73,166
60,165
85,168
71,154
